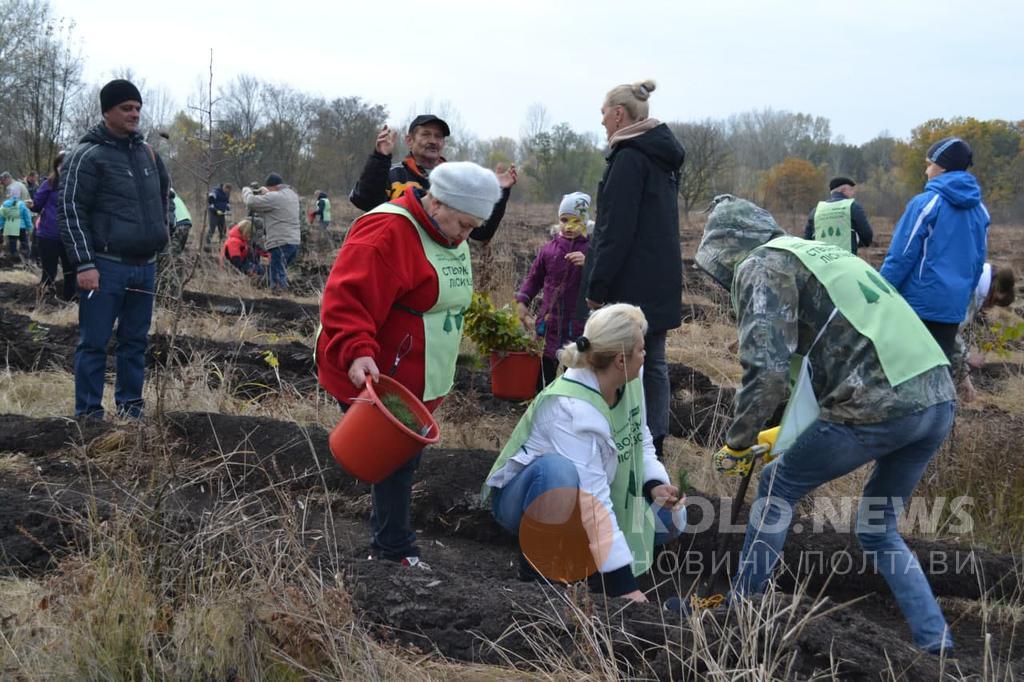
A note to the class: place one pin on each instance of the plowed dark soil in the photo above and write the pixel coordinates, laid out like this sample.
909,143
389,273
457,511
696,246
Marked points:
471,599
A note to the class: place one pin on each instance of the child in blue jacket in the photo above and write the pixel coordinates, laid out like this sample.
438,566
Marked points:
15,222
938,247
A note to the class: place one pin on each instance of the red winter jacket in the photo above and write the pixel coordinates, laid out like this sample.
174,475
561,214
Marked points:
379,276
236,249
235,245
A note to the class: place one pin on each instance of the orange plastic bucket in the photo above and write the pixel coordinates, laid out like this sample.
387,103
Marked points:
514,375
370,443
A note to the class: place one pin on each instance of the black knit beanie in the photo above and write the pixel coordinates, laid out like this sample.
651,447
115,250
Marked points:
272,180
117,91
951,153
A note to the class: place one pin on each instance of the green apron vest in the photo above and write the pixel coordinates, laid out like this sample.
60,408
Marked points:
327,210
634,515
12,220
181,213
904,345
442,324
833,224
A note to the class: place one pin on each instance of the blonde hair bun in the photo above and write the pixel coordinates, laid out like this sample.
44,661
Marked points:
643,89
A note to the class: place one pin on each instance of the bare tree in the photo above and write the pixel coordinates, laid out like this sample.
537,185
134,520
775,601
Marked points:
536,122
706,157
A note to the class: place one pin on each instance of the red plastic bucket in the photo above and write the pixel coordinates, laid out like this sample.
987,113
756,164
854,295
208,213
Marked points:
370,443
514,375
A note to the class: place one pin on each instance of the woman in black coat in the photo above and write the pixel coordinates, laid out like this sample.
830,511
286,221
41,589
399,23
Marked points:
635,254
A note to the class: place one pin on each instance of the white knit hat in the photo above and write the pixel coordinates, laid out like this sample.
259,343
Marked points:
577,204
466,187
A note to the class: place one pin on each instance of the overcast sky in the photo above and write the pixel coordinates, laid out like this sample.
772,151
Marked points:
873,66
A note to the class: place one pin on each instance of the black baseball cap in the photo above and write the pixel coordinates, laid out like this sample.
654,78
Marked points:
424,119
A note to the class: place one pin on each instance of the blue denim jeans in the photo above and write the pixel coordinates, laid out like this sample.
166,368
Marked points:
133,311
657,392
901,449
280,258
550,472
393,536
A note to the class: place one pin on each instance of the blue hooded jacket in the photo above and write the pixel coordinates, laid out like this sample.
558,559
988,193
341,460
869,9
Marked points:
938,247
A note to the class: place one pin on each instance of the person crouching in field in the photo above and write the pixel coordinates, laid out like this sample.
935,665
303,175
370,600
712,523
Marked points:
881,392
557,271
582,459
394,302
996,287
239,250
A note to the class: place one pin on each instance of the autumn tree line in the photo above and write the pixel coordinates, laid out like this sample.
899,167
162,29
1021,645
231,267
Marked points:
778,158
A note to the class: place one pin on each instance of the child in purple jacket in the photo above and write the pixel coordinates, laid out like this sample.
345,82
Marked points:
556,274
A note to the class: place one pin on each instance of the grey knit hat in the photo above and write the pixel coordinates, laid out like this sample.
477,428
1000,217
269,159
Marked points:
466,187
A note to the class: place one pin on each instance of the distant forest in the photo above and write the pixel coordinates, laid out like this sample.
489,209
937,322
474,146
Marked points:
238,131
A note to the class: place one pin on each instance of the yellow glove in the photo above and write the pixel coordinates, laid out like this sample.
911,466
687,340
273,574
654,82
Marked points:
768,438
736,462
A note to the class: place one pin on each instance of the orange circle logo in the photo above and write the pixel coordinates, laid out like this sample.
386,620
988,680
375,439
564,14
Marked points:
566,534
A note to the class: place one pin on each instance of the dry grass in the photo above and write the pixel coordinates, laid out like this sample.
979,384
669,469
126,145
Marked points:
19,276
234,597
144,602
42,393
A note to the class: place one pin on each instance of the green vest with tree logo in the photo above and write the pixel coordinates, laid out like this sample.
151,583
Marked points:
181,212
634,515
442,324
833,223
904,345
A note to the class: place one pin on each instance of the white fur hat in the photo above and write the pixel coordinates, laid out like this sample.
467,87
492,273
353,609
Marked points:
465,187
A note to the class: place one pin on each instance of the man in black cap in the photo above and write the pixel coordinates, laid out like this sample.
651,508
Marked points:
112,214
381,182
840,220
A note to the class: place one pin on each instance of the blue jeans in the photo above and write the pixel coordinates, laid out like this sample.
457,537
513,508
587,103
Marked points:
901,449
657,392
393,536
280,258
550,472
133,311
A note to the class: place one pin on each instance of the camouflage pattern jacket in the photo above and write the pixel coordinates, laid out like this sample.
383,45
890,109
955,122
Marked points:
781,308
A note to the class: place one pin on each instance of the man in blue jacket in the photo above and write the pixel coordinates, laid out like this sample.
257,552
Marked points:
112,215
938,247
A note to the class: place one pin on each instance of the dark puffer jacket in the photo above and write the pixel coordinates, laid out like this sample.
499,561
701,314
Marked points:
113,199
381,182
635,255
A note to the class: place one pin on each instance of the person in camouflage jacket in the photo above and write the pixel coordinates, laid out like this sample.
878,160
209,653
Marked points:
781,307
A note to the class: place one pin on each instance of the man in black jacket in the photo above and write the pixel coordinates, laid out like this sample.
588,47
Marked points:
112,214
840,219
381,182
218,204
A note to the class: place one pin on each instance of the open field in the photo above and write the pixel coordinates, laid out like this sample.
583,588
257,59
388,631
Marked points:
219,540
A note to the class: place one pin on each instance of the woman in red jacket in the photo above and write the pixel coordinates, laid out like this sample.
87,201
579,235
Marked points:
394,302
239,250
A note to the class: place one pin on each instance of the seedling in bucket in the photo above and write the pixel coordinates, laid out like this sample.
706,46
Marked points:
371,442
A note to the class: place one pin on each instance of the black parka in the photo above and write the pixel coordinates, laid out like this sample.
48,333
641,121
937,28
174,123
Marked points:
113,199
635,254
